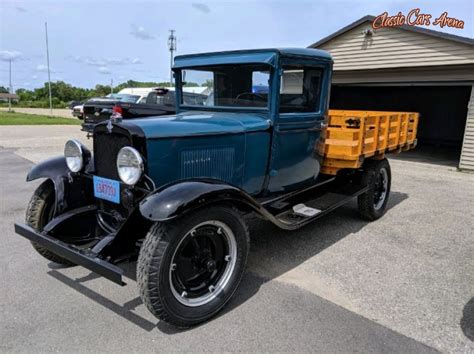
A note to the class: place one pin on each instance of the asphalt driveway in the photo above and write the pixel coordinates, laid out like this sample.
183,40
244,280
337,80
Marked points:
404,283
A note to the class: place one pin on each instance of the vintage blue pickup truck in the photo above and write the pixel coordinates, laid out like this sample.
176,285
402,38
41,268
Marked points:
173,192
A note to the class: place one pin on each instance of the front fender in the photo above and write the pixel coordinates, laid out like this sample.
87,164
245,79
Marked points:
56,170
50,168
175,199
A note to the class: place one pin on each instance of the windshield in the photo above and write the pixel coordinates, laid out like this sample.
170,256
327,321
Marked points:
226,86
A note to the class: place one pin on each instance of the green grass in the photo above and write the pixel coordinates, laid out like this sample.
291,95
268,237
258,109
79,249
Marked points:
7,118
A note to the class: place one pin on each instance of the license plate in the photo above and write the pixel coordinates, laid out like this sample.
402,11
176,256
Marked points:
107,189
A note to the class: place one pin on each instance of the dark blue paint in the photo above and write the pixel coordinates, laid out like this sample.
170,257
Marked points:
257,150
192,123
262,56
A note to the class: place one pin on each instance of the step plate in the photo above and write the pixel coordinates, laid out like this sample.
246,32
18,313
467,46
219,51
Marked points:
326,203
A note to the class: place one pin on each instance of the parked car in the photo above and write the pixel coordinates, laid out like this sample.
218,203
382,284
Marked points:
72,104
100,109
173,191
78,111
158,102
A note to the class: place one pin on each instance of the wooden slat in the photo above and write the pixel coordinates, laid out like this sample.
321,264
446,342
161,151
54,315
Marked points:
354,135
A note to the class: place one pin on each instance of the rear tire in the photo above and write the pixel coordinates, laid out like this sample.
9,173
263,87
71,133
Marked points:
189,269
39,213
377,175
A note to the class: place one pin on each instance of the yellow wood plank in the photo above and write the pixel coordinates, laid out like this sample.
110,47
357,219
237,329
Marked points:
352,136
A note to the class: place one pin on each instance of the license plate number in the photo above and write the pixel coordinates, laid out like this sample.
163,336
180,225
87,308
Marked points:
107,189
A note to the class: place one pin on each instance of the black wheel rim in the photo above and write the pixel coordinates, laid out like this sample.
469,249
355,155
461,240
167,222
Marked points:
202,263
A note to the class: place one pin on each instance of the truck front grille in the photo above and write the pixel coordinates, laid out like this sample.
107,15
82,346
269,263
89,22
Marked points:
106,148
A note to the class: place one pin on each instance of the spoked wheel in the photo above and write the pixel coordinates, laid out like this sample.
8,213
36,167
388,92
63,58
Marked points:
377,176
188,269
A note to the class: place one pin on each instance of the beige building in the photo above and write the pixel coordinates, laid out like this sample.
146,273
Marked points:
410,69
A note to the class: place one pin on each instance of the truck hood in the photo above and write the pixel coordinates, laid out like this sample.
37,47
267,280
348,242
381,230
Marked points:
201,123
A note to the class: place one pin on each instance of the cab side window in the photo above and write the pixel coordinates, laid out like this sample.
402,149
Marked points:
300,89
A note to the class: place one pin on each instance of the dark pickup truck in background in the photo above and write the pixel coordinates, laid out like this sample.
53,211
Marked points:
98,110
158,102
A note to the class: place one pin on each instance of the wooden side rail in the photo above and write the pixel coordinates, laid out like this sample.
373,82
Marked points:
352,136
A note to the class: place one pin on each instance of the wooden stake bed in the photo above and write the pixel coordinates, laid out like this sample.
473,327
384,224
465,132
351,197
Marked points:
352,136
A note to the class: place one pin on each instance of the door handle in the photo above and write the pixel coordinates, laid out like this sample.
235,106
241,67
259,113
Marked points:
319,127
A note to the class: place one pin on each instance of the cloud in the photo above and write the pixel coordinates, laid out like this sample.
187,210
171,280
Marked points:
35,77
104,62
7,55
140,33
20,9
42,68
201,7
94,62
104,70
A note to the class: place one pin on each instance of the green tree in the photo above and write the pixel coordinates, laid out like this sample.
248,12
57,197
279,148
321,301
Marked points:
3,89
208,83
101,90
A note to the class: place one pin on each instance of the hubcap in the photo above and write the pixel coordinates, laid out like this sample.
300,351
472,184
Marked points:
203,263
380,188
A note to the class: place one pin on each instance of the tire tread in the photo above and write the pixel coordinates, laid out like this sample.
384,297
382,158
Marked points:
150,257
35,218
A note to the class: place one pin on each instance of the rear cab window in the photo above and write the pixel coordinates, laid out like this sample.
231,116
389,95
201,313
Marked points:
300,89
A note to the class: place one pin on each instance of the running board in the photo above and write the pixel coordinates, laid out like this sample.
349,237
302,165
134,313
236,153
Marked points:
323,205
85,258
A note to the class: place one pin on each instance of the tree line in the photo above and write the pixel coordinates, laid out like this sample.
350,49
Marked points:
62,92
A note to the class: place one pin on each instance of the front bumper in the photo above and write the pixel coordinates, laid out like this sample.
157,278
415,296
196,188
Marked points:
86,258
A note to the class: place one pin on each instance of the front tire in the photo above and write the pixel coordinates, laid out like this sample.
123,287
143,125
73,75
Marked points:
39,213
189,269
377,176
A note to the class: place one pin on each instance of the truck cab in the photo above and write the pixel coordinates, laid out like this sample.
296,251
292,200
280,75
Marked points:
173,192
265,137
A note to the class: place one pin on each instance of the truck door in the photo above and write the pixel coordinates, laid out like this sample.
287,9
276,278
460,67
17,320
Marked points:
301,108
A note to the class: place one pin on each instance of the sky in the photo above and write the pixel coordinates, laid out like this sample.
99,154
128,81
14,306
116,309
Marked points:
94,42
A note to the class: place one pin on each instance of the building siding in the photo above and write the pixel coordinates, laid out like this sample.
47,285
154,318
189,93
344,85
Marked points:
394,48
467,154
421,75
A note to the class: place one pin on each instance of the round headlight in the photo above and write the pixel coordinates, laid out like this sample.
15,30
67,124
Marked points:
74,155
129,165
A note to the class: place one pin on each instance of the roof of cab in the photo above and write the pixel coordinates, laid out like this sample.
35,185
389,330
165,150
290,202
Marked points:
267,56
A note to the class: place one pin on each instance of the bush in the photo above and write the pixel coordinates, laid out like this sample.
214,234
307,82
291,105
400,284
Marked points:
36,104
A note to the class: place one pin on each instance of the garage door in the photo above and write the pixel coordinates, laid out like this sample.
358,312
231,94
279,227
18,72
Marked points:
443,109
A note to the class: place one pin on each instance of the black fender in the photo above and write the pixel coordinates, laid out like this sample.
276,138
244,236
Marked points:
67,187
51,168
56,170
178,198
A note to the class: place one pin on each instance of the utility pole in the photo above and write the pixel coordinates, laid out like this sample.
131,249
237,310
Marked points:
172,48
49,72
111,85
10,89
